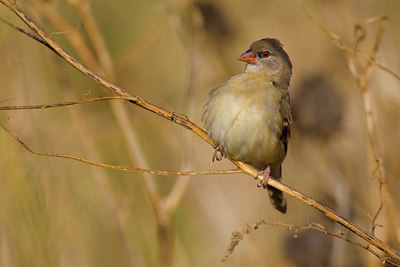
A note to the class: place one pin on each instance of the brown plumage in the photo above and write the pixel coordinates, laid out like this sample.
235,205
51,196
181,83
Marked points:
249,115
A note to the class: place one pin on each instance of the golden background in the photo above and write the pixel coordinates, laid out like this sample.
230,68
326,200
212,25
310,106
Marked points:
58,212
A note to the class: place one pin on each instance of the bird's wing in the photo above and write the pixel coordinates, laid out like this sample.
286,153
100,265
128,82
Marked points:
286,114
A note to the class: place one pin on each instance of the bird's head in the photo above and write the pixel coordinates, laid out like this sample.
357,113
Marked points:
267,56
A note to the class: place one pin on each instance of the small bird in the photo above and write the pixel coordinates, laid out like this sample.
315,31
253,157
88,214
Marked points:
248,117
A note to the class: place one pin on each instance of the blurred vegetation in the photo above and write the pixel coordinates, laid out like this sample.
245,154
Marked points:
56,212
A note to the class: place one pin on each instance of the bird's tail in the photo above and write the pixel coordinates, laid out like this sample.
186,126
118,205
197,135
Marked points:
277,198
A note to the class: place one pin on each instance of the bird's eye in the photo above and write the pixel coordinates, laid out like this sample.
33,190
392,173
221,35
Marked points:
265,54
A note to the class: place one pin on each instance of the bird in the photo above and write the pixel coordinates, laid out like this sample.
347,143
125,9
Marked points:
248,116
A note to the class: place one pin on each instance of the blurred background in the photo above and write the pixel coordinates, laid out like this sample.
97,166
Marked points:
58,212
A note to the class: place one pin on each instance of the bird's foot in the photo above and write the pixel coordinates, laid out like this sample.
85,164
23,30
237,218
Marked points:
265,173
218,154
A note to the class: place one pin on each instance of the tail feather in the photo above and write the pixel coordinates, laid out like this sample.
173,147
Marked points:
277,198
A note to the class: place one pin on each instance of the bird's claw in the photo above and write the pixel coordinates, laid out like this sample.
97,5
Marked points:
265,173
217,155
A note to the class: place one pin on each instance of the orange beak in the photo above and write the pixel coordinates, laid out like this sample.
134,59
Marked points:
248,57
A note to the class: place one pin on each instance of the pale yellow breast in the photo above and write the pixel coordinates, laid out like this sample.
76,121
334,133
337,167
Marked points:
243,117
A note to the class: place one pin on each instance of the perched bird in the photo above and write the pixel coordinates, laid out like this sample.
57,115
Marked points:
248,117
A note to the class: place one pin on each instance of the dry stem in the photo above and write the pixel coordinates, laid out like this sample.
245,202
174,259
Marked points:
367,104
62,104
343,46
115,167
237,237
372,132
201,133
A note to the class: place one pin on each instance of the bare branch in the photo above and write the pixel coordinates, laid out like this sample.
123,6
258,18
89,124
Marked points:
62,104
114,167
369,117
373,220
339,43
237,236
368,112
201,133
34,37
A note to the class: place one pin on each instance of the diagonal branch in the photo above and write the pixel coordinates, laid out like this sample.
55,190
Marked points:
114,167
343,46
294,229
366,102
362,82
34,37
97,78
201,133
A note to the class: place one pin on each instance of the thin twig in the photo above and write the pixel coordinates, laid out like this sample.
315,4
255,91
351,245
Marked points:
33,36
372,134
74,37
368,112
181,185
191,51
62,104
134,146
115,167
83,50
327,211
237,237
104,66
202,134
342,45
113,88
101,177
373,220
84,9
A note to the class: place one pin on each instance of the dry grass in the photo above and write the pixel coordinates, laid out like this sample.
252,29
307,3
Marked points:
61,213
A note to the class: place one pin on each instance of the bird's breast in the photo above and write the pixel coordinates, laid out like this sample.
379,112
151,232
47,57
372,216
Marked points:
243,118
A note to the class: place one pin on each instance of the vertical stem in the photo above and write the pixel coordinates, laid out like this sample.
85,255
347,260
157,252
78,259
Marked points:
372,132
164,235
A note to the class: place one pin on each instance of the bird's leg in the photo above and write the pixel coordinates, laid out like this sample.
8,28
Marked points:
265,173
216,155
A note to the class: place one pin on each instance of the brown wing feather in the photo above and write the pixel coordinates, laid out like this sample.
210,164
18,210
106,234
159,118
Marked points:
277,198
287,117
